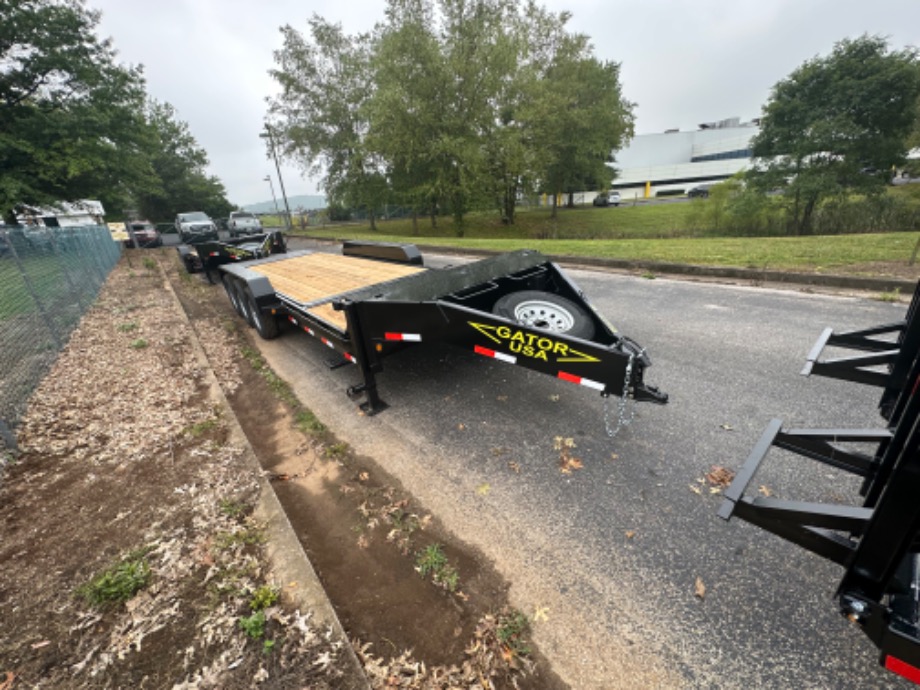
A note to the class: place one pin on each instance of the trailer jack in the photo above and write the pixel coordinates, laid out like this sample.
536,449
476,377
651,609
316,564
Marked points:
877,543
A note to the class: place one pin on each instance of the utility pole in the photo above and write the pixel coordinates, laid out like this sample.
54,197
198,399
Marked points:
268,178
271,144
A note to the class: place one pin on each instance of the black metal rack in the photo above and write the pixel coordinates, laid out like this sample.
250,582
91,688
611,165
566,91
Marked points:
877,542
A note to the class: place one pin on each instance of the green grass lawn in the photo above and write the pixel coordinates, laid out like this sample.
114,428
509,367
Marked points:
653,239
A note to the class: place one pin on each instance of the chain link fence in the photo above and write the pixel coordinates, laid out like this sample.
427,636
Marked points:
48,278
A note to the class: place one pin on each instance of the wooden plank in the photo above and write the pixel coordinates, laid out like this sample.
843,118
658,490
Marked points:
322,276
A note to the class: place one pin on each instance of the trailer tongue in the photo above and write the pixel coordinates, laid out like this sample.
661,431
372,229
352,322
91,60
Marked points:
376,299
878,542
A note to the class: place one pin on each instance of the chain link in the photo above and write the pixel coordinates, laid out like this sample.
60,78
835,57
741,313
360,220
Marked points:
625,412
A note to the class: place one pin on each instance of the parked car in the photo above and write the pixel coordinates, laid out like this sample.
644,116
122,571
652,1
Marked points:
243,223
607,199
701,191
144,232
195,226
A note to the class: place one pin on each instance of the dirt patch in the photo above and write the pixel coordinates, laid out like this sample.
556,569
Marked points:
368,539
129,555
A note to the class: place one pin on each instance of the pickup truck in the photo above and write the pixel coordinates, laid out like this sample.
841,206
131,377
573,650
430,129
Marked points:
195,226
243,223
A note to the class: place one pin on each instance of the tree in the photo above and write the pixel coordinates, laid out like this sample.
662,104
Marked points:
320,117
836,125
71,118
180,182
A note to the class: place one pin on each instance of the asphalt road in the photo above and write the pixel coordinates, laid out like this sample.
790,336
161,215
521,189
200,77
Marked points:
610,557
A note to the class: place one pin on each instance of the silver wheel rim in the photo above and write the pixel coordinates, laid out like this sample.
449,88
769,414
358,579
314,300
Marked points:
544,315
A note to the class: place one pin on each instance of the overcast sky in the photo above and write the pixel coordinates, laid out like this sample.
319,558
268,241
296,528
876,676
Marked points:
683,62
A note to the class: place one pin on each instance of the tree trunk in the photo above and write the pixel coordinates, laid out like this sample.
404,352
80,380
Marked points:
508,211
571,202
553,214
373,219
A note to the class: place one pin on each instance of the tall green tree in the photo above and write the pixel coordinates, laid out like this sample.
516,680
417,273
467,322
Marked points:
71,118
319,117
836,125
181,182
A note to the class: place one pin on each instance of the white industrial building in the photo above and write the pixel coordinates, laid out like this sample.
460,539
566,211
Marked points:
676,161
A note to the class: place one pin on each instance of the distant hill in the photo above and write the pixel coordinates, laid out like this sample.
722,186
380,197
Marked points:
303,202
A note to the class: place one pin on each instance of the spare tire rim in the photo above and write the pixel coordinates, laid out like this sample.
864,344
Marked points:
544,315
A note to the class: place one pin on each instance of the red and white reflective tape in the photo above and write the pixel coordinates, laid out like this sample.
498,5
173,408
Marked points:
485,352
414,337
350,357
306,328
214,254
327,343
596,385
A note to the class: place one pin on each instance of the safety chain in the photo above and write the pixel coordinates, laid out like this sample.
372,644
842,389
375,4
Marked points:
625,412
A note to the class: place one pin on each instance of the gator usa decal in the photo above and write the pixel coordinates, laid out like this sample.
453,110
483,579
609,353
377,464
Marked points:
536,345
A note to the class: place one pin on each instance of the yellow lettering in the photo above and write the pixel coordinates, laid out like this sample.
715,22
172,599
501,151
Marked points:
561,349
518,336
541,354
503,332
545,344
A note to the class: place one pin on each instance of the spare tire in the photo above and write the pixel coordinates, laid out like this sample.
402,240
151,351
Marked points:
545,311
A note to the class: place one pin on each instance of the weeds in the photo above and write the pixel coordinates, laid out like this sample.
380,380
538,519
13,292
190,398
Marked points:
199,429
891,296
120,582
648,275
127,327
336,451
150,264
513,630
264,597
432,561
139,344
232,509
246,537
308,423
304,420
254,625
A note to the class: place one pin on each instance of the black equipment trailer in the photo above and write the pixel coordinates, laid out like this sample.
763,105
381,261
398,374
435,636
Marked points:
877,543
205,257
376,299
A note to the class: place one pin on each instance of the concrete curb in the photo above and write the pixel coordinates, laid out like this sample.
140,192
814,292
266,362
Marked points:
288,560
752,275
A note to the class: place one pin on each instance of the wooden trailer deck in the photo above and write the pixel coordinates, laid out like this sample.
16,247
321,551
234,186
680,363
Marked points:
315,279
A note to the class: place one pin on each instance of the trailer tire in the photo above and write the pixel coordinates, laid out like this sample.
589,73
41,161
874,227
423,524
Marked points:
545,311
266,325
242,294
230,289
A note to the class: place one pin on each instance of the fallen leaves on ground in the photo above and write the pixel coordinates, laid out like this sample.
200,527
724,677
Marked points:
765,490
699,588
719,478
567,462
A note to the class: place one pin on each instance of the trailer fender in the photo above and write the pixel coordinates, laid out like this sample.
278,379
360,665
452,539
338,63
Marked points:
545,311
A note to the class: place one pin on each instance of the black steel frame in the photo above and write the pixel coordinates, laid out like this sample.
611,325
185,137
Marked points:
877,542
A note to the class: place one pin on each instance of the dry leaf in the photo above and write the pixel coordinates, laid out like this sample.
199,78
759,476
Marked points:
541,614
514,466
461,427
720,476
39,645
727,427
554,398
8,683
765,490
502,398
567,464
614,456
364,476
700,588
695,489
483,489
630,533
